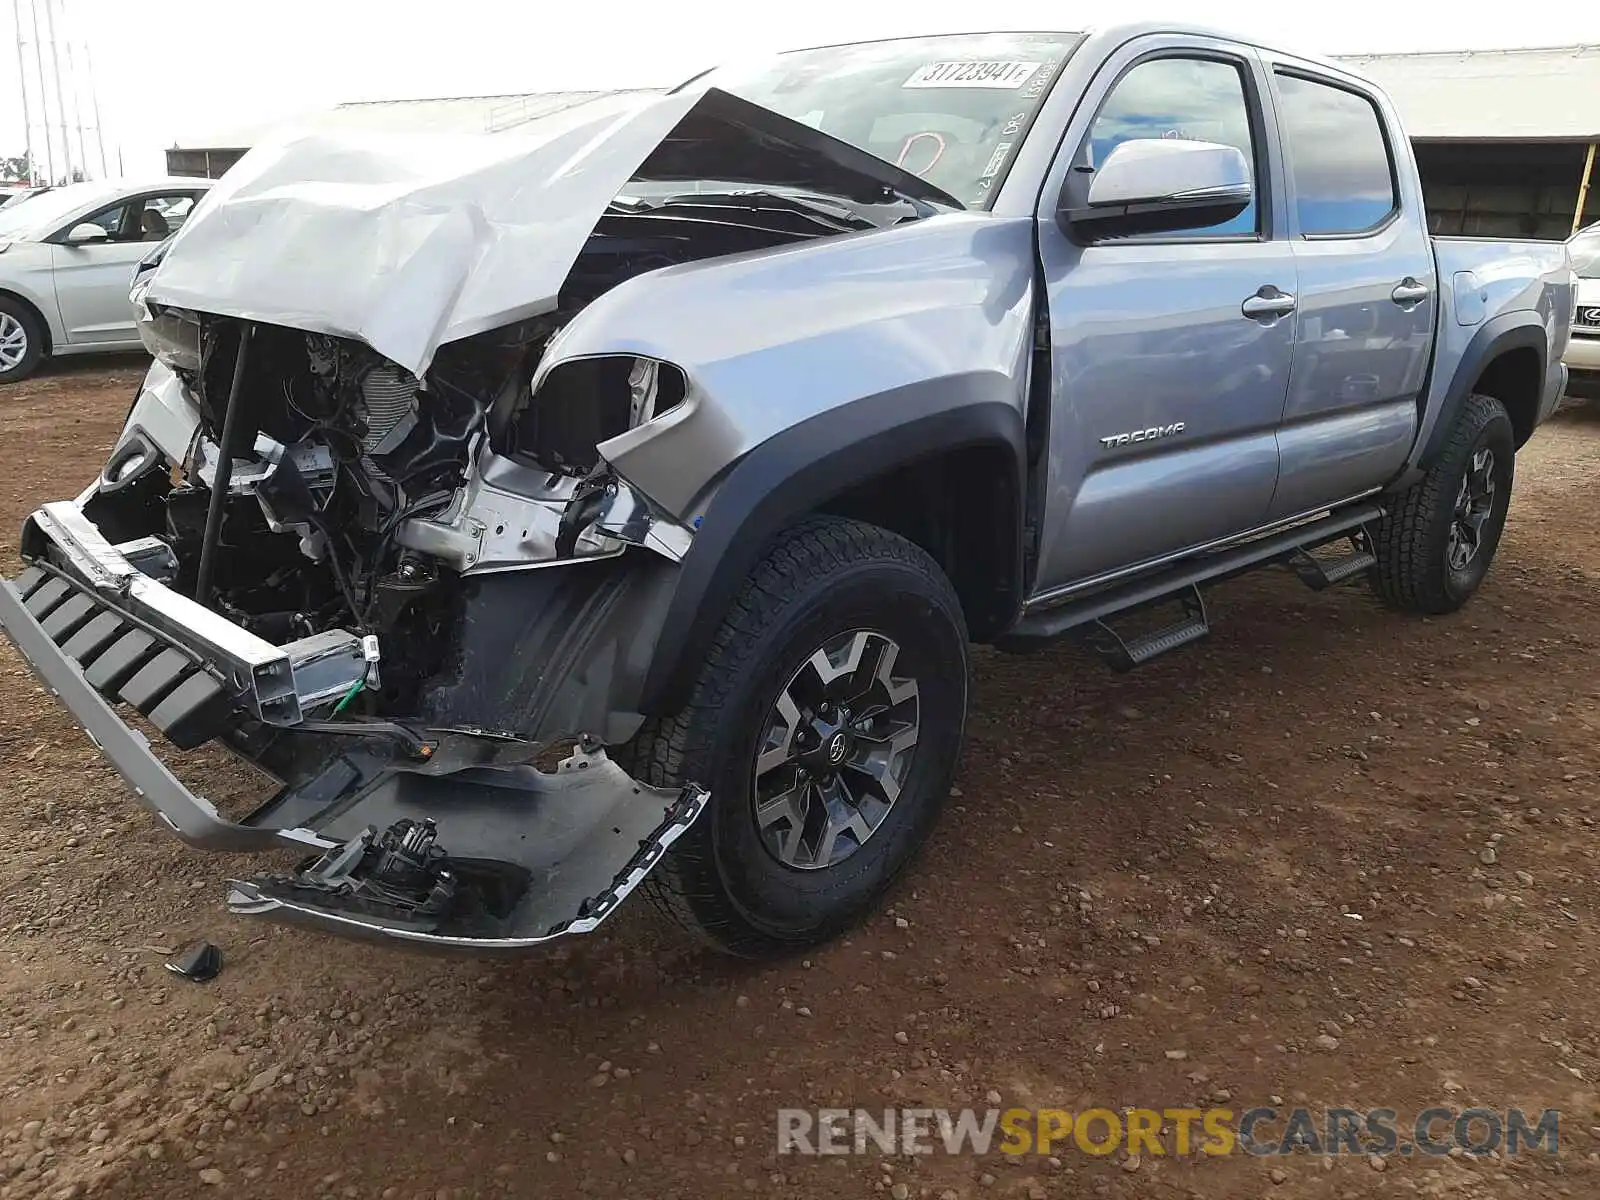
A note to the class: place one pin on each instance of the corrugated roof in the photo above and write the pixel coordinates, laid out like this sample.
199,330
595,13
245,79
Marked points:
1548,94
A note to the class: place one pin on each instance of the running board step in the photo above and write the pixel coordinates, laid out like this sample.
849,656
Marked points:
1319,573
1072,613
1124,654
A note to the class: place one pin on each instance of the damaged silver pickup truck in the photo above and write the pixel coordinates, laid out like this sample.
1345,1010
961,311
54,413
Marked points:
618,496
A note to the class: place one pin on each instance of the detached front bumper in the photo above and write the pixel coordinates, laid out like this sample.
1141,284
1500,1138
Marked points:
63,631
528,855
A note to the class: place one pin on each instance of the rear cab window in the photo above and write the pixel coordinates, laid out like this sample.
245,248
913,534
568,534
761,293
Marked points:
1341,167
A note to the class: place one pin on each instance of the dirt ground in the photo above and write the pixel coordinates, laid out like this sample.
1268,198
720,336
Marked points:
1140,897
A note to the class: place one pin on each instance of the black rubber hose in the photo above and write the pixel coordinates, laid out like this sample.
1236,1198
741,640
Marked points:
231,424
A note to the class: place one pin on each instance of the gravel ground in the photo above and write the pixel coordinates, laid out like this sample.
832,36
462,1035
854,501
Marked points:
1138,898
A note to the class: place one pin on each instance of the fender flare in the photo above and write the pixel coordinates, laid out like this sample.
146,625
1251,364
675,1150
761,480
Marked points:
799,471
1508,331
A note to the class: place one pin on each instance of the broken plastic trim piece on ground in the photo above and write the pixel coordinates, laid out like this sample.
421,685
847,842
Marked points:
486,859
199,963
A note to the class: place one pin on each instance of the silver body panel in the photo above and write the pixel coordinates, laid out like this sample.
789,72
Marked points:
1523,282
771,339
408,241
1360,359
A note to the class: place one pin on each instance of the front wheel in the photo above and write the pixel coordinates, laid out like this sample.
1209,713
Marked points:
21,341
1435,544
826,722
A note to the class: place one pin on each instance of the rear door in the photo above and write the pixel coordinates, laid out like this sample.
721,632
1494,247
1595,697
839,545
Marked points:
1168,371
1368,289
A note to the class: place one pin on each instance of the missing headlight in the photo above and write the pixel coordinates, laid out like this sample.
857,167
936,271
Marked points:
582,403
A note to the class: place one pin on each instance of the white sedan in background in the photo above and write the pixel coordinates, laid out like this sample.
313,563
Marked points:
66,262
1583,350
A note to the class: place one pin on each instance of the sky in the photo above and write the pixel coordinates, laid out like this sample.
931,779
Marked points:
194,71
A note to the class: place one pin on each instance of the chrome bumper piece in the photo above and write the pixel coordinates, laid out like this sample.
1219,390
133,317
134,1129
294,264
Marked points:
193,818
275,684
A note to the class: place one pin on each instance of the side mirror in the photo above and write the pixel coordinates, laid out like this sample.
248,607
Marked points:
1157,185
88,231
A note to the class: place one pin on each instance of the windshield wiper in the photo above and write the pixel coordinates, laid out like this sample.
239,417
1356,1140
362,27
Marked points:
841,216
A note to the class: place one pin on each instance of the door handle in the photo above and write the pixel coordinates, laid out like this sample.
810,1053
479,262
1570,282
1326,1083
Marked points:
1268,304
1409,292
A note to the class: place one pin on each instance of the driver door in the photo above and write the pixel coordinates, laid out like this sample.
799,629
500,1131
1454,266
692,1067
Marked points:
92,278
1170,353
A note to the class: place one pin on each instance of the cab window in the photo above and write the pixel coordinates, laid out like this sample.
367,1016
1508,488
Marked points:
1197,99
1339,162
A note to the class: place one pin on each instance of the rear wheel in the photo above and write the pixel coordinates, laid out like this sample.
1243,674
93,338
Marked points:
826,723
1436,543
21,341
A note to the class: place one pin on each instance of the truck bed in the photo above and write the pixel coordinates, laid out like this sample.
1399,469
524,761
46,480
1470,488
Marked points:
1482,280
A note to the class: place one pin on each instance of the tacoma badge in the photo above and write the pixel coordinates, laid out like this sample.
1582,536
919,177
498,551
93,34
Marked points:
1142,435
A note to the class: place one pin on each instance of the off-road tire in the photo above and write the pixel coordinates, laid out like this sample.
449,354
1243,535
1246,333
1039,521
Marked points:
1411,542
23,316
823,578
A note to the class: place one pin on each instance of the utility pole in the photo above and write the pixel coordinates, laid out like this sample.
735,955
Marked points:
22,84
73,89
61,106
94,99
44,100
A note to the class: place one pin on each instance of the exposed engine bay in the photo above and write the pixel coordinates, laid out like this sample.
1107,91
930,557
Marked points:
367,527
359,494
351,464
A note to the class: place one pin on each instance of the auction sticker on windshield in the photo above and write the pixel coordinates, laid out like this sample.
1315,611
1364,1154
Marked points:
1007,75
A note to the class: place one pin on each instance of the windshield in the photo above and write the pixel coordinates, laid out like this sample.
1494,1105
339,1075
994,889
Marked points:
951,110
40,214
1585,252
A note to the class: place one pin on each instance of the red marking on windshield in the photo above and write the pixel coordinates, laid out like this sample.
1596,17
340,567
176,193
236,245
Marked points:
905,151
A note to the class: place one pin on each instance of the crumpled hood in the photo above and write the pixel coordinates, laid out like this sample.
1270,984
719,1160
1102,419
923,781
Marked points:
410,241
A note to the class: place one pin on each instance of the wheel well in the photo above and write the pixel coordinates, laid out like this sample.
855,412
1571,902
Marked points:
1516,379
962,507
44,325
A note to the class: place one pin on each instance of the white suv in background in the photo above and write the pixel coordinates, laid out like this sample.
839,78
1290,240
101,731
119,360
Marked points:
1583,350
66,261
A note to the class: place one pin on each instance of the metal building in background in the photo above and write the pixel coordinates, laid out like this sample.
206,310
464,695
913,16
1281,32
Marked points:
1505,139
